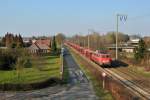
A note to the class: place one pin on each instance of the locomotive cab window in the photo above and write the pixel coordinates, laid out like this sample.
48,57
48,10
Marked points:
107,56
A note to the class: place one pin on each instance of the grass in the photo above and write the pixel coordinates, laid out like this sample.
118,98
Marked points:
42,69
100,92
65,73
140,70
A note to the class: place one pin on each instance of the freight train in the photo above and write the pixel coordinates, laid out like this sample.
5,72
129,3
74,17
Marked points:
100,57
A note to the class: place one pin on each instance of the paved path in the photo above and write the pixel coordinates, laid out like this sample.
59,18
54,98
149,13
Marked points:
78,88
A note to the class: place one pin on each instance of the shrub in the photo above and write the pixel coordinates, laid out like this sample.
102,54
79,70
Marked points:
54,45
10,57
28,63
7,59
140,50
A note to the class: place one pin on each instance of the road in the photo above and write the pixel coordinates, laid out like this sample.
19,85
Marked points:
78,88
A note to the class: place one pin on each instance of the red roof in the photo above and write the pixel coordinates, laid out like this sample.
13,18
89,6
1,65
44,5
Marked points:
43,41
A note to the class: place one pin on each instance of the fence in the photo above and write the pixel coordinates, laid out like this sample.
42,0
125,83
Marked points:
62,65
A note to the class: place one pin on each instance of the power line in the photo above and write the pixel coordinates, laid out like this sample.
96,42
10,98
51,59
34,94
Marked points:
138,17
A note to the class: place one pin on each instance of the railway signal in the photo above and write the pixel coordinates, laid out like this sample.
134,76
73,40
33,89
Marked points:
122,18
103,75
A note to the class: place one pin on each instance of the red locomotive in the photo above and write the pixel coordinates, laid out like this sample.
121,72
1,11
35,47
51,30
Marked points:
100,57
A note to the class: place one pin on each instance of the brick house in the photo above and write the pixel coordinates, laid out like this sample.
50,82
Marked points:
40,46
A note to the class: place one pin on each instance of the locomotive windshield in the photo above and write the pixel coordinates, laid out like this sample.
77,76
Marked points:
105,56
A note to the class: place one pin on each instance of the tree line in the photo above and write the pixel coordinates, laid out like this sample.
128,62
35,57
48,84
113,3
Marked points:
99,41
56,43
14,54
12,41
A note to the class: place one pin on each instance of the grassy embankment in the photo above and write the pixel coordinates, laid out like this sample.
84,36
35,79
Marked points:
140,70
65,73
100,92
137,68
42,68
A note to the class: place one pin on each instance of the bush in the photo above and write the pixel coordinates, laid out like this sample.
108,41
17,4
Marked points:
28,63
9,58
140,50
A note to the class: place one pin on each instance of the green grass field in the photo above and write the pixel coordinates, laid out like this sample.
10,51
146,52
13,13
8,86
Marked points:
42,69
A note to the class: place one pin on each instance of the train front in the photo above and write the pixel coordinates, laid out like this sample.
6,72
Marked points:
106,60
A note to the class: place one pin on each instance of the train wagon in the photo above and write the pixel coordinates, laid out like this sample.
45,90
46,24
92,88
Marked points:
88,53
100,57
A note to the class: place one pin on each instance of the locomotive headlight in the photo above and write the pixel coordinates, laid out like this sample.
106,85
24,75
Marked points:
104,61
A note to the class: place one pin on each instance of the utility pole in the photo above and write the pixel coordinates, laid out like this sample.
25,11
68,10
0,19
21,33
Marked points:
84,42
122,18
117,39
89,30
88,40
78,40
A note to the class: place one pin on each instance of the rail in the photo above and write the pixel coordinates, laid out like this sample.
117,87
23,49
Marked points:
130,85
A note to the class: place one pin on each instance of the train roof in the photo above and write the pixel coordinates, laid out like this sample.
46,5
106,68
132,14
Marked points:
88,50
102,53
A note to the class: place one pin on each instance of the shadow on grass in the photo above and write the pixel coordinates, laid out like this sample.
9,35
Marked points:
43,58
48,69
30,86
45,63
49,57
119,63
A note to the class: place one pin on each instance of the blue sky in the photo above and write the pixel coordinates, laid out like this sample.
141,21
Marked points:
48,17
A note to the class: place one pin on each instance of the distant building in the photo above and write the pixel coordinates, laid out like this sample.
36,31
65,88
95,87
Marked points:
33,49
3,48
33,41
26,40
129,49
134,41
44,41
128,46
40,46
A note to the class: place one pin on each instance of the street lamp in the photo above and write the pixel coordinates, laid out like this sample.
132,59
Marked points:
122,18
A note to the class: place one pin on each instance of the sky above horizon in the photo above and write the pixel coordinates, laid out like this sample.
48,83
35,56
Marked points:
48,17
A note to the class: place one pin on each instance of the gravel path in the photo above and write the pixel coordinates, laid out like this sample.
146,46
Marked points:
78,88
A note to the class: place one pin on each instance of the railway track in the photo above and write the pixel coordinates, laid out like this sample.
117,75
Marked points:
136,86
128,81
142,82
